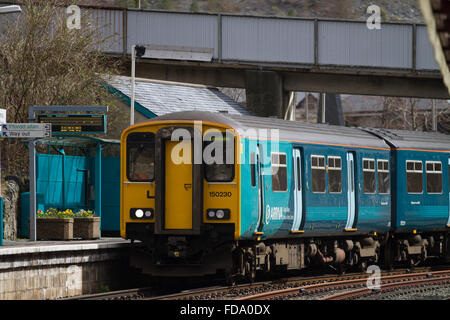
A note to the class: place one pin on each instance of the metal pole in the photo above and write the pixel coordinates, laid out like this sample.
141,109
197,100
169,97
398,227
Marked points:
32,153
1,221
294,106
307,106
434,115
98,183
133,69
323,107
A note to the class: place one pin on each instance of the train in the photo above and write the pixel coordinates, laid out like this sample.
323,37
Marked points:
220,194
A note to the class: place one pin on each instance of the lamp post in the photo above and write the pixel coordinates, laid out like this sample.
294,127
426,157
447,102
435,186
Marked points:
136,51
133,70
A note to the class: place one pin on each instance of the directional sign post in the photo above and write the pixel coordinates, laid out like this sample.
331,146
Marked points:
26,130
31,131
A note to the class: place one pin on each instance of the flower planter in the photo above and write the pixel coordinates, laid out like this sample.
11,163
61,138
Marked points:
54,228
86,228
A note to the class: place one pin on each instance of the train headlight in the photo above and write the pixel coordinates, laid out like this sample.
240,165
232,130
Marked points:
218,214
141,213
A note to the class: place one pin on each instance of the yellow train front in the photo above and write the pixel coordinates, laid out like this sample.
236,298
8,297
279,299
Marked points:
180,205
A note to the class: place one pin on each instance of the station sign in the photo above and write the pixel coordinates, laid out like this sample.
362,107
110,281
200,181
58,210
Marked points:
2,115
26,130
75,123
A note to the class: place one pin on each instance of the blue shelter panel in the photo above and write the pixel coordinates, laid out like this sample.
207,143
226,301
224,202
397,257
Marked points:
49,179
62,180
110,194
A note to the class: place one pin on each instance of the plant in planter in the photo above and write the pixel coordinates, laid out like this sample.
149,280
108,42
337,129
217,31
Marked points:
54,225
86,225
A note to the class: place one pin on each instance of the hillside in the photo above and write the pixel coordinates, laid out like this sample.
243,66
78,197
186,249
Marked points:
401,10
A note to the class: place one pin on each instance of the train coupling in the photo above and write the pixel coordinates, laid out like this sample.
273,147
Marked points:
177,247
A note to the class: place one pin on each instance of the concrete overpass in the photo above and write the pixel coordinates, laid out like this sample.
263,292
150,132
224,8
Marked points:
270,56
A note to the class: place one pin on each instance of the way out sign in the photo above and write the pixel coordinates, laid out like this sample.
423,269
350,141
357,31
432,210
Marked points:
26,130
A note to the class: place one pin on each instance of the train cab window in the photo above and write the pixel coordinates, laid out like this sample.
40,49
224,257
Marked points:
414,179
369,176
222,167
334,175
434,176
279,171
318,174
383,176
141,156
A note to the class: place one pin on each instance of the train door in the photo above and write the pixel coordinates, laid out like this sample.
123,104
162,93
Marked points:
448,222
298,199
178,187
260,177
351,192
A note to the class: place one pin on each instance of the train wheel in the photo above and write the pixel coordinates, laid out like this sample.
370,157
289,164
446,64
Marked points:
230,279
363,266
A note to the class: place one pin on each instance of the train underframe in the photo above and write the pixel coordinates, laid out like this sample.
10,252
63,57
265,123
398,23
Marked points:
215,251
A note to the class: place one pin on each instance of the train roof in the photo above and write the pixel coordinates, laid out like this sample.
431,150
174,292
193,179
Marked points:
323,133
288,130
413,140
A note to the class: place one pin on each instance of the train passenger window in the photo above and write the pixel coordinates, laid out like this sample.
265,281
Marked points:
253,168
318,174
141,156
279,171
434,176
334,175
414,179
222,167
383,176
369,176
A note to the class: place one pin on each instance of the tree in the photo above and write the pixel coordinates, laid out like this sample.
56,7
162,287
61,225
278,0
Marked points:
166,5
42,62
194,6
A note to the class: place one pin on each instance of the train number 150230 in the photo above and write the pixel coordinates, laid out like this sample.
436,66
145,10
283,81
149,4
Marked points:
220,194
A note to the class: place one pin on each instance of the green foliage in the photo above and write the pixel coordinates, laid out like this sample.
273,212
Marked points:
103,288
68,213
166,5
214,6
291,12
194,6
42,62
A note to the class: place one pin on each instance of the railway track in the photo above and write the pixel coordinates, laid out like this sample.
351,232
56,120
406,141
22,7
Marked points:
322,287
128,294
261,289
351,289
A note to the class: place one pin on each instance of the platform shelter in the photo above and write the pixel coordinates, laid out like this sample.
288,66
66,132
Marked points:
77,172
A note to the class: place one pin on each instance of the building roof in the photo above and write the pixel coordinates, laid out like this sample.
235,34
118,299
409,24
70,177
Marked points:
157,98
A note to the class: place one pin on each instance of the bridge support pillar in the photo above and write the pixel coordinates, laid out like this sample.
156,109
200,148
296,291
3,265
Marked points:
265,93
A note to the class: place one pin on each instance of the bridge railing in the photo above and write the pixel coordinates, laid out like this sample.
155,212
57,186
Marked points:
294,42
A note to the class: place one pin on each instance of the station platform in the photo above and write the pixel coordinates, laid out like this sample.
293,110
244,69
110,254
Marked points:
58,269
